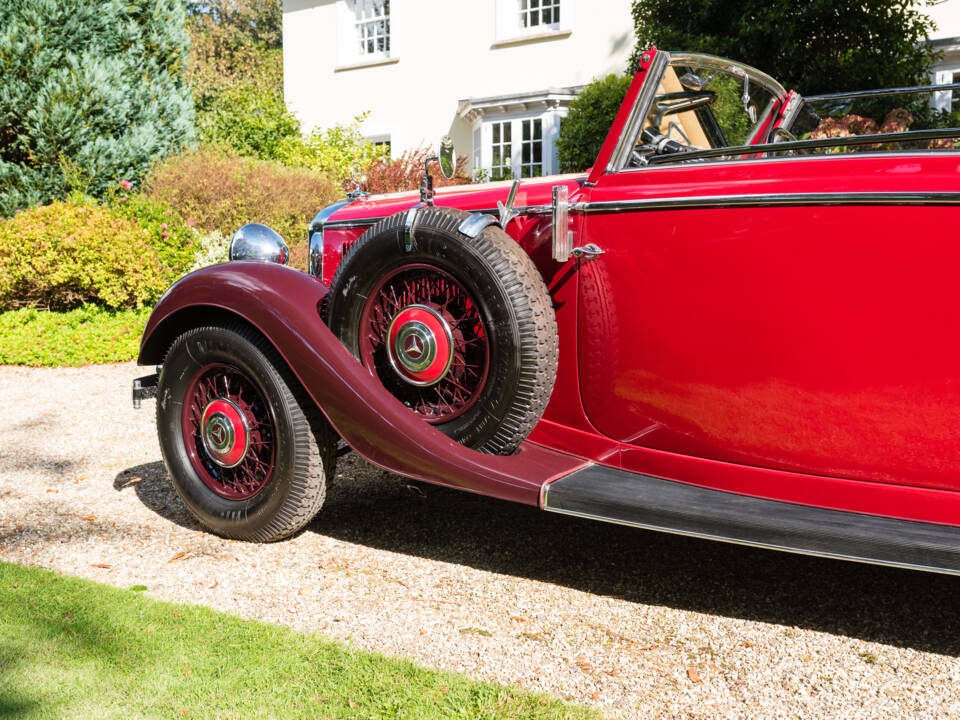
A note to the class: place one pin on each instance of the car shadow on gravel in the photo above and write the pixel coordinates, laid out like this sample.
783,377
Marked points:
380,510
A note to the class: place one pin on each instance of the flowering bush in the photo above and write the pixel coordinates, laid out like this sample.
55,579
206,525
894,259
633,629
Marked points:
171,237
221,192
404,173
73,252
211,250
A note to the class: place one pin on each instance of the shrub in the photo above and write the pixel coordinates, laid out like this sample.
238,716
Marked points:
73,252
211,250
89,334
221,192
588,121
91,91
172,237
249,116
404,173
333,151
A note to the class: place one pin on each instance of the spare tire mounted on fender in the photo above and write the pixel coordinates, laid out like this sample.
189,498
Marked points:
459,329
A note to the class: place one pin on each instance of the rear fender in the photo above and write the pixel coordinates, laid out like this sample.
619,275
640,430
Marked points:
284,304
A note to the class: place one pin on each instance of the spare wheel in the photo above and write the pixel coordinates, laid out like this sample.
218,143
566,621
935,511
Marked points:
459,329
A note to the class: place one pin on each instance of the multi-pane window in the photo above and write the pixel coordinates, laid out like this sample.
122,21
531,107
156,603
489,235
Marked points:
955,93
537,13
372,21
531,148
381,148
501,145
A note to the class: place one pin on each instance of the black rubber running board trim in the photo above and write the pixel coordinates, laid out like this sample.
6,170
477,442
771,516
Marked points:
626,498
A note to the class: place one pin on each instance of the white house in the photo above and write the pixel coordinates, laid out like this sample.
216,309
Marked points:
946,38
496,75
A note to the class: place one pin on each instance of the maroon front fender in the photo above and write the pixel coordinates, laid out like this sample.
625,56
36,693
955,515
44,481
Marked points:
284,305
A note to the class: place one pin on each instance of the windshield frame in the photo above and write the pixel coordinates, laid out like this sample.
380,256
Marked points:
620,158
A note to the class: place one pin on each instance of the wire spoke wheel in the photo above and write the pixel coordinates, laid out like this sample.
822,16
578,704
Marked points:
422,334
248,452
229,431
459,329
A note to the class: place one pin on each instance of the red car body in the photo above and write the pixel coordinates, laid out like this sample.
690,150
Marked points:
762,327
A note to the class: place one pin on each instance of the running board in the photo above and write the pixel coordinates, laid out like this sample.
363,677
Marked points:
618,496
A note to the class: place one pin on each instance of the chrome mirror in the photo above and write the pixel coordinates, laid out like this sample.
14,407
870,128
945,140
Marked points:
692,81
446,157
258,242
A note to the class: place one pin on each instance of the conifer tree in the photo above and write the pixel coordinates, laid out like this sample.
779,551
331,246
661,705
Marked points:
91,92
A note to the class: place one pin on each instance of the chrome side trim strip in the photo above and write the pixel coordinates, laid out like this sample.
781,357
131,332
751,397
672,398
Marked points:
875,139
883,91
638,113
754,200
367,222
833,157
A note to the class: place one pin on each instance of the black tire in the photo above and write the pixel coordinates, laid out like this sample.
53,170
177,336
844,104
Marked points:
519,324
300,442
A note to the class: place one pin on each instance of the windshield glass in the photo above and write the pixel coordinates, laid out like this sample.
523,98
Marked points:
704,102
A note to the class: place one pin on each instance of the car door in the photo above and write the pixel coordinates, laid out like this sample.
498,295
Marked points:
794,313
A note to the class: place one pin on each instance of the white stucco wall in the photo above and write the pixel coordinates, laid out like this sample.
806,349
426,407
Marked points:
947,17
444,52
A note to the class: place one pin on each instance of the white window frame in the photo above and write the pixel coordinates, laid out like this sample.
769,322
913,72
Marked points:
550,123
354,18
509,27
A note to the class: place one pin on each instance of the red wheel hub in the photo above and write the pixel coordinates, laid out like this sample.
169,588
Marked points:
229,432
420,345
423,334
224,433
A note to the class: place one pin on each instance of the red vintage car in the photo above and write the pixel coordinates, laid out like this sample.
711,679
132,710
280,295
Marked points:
737,325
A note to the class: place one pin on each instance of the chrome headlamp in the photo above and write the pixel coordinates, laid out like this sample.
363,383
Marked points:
258,242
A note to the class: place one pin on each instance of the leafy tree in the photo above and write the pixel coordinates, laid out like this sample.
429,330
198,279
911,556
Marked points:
91,93
586,125
815,47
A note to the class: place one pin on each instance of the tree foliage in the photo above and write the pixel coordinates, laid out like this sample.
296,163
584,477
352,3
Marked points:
815,47
91,93
588,121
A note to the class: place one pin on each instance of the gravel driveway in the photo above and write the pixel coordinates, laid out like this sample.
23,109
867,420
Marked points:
638,624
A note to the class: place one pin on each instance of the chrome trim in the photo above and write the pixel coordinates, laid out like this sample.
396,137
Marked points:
883,91
561,235
354,222
254,241
789,113
323,217
474,224
408,228
758,126
725,64
875,139
430,342
845,157
315,260
746,543
760,199
645,98
507,212
588,251
367,222
213,452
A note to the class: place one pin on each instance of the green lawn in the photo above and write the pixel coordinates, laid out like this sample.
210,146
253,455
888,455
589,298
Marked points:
78,649
86,335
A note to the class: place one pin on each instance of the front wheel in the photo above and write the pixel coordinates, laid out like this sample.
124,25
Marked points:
248,452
